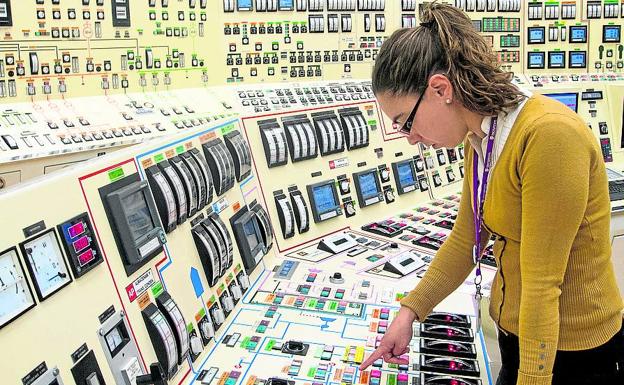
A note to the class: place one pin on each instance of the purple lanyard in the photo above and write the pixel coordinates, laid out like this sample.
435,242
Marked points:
479,199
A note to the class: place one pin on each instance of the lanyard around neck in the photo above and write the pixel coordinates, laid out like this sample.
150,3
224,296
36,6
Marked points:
478,196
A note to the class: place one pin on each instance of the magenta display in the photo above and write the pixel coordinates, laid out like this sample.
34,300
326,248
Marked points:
76,229
81,243
86,257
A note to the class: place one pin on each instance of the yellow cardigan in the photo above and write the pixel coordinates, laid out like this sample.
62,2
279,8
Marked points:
548,205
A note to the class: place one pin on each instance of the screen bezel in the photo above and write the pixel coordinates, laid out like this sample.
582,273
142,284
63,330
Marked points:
558,53
605,28
531,29
316,215
554,96
571,62
358,188
540,54
571,33
400,187
128,248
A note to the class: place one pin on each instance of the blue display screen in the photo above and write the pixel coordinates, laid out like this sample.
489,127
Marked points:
570,99
244,5
406,175
286,4
536,35
611,34
536,59
324,198
578,34
556,60
368,185
578,59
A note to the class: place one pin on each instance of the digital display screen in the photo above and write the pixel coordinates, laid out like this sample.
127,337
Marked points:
556,59
244,5
578,59
250,234
76,230
611,33
570,99
406,262
578,34
536,60
137,214
591,95
406,175
86,257
536,35
368,185
81,243
286,5
324,198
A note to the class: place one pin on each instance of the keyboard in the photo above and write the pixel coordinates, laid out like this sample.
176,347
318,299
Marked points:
616,190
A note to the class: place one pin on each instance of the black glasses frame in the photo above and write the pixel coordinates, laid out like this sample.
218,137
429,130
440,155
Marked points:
407,126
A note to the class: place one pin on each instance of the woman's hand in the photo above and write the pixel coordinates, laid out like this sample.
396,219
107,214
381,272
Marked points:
396,340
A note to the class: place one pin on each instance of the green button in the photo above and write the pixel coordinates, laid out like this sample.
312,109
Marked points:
311,372
333,305
230,381
339,295
391,379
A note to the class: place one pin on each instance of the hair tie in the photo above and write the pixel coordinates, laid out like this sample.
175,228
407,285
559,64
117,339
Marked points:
427,24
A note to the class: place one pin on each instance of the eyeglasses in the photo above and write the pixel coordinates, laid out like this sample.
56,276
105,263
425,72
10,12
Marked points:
407,126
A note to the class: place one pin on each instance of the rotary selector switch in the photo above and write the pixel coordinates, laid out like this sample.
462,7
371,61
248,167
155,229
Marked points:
349,208
384,174
344,186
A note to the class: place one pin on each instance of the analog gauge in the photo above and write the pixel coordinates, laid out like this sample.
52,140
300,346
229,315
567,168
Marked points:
15,295
45,262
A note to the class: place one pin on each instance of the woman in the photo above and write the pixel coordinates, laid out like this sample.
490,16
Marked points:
543,196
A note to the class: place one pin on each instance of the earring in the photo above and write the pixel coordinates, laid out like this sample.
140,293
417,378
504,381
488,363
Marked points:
448,101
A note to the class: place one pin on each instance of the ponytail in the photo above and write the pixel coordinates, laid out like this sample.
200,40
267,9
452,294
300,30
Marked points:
446,42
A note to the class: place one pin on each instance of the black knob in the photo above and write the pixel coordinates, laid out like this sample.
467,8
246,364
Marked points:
337,275
394,245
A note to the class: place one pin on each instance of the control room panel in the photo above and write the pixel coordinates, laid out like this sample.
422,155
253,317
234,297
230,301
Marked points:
203,192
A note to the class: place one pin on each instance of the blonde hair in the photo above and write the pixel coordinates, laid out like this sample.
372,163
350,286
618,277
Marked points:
445,42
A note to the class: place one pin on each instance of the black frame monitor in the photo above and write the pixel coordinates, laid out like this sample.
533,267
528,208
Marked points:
134,220
248,237
570,99
577,59
578,34
324,200
536,60
611,33
556,59
368,187
536,35
405,176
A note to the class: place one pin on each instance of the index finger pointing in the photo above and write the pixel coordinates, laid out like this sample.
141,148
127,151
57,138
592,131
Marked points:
380,351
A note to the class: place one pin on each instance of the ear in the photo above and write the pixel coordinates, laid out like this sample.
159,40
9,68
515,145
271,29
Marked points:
441,87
